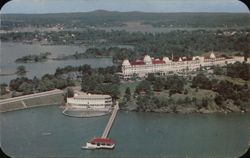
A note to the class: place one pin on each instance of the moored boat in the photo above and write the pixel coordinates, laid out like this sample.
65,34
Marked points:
100,143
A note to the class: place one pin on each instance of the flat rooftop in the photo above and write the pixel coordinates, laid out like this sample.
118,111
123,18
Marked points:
79,94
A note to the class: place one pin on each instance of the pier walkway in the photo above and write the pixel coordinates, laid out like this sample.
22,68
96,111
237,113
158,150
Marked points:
111,120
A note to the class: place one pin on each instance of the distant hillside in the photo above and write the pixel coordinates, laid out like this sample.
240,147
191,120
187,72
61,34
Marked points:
102,18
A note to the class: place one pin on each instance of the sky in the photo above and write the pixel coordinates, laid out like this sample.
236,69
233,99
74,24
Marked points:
60,6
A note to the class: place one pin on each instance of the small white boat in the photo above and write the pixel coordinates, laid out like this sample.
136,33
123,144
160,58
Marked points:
46,133
99,143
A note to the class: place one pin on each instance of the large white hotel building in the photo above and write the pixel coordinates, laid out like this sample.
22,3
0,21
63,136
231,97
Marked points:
164,66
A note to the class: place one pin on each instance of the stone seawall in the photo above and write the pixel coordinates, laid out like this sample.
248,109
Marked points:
54,99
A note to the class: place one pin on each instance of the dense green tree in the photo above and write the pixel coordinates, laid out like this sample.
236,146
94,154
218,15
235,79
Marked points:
15,83
21,71
151,77
228,90
101,84
219,99
239,70
174,83
86,69
187,100
204,102
146,103
143,86
185,91
3,89
218,70
158,84
60,83
26,88
114,91
70,82
89,83
201,81
45,85
70,92
127,94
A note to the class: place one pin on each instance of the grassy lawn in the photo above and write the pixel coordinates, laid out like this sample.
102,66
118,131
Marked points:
131,85
233,80
51,99
201,93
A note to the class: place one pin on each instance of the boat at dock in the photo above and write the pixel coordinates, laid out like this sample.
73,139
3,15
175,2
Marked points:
104,142
99,143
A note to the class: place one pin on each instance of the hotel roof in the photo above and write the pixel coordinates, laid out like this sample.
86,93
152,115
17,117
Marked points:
138,62
158,61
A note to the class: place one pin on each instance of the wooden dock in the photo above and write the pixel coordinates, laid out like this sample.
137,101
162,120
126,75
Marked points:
111,120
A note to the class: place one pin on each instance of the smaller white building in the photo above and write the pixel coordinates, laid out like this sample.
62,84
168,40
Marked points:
90,101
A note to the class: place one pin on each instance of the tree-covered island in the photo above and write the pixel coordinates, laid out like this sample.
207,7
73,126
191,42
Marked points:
33,58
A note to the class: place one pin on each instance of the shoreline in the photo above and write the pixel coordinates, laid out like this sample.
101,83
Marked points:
7,74
198,112
136,111
185,109
125,109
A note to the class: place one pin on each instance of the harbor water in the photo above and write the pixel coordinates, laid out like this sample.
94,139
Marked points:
46,132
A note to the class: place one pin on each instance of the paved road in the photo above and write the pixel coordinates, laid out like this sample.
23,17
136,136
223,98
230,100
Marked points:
30,96
111,120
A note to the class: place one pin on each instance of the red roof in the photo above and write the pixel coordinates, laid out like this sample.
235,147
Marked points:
102,140
175,59
158,62
183,58
138,63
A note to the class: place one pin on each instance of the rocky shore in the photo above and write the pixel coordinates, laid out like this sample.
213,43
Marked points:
227,107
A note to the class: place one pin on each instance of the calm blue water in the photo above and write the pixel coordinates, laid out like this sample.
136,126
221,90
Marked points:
9,52
136,134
